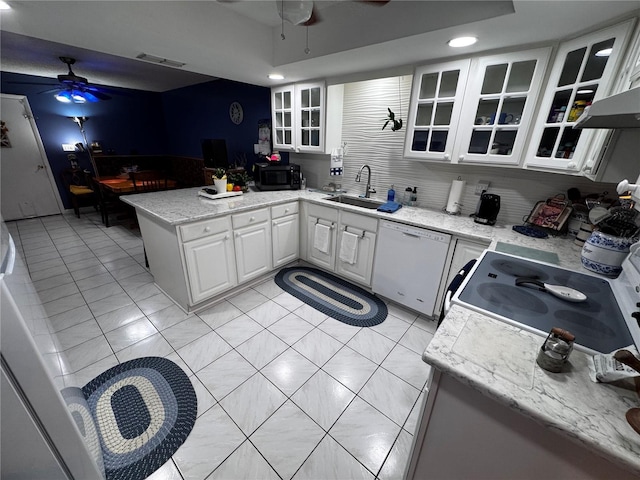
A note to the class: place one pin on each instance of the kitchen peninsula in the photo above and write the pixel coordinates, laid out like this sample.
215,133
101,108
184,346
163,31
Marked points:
490,362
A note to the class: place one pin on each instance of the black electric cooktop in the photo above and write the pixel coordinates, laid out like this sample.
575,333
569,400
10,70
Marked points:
597,322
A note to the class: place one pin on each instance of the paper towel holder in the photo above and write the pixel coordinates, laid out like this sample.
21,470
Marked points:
453,204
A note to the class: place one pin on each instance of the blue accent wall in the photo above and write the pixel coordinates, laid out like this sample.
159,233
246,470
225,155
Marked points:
145,123
201,111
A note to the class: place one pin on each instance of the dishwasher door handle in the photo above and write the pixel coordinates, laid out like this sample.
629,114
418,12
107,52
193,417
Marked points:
411,235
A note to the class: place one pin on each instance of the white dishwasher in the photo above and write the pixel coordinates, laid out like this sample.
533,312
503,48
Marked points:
408,265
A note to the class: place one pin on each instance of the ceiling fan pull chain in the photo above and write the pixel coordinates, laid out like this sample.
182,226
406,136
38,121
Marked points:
282,20
307,50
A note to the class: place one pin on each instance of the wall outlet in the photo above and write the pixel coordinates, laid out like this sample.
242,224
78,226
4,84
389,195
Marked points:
481,186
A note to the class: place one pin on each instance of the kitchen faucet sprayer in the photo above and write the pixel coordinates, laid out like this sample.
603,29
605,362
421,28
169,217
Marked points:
368,190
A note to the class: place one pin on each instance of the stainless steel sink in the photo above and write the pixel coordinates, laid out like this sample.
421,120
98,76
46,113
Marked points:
356,201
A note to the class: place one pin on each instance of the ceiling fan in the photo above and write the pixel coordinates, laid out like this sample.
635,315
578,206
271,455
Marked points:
304,12
73,88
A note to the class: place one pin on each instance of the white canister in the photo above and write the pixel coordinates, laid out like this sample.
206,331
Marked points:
220,184
603,253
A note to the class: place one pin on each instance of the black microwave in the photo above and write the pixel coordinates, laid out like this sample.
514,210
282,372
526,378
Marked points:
276,177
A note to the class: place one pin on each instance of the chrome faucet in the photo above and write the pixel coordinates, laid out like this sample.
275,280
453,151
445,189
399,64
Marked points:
369,190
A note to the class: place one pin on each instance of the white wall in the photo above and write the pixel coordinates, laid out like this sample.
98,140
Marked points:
365,111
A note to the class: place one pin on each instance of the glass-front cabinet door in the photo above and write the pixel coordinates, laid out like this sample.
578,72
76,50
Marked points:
282,117
310,117
582,73
434,111
499,106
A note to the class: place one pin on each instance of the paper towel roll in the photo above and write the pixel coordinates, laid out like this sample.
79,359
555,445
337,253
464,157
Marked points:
455,195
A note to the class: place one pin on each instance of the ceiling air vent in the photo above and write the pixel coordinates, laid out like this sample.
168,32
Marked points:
160,60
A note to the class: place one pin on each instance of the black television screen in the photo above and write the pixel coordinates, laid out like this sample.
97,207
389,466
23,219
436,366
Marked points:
214,152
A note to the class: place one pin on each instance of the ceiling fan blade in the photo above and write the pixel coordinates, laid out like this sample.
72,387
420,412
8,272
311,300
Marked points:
96,94
33,83
375,3
51,90
93,97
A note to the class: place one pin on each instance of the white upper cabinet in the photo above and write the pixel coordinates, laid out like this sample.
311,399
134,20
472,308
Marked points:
434,111
282,116
584,71
298,117
498,107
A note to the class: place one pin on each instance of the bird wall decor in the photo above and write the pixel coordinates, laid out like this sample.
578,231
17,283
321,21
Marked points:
391,118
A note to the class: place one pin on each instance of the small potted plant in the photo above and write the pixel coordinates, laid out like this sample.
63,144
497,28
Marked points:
220,180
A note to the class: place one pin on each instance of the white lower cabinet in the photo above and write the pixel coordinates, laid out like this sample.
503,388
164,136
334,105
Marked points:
354,258
285,233
252,240
210,265
322,223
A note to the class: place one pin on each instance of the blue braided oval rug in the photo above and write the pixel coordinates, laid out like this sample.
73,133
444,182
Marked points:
142,410
333,296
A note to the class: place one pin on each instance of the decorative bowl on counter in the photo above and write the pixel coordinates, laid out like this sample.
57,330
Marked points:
603,253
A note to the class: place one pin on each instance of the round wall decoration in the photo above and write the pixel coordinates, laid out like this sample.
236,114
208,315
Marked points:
236,113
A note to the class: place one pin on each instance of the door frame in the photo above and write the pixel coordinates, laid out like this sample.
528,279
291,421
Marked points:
28,113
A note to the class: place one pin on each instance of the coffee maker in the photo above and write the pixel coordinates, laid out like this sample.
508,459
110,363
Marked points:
488,209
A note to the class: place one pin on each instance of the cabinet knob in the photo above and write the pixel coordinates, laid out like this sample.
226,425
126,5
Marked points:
207,229
226,237
447,156
572,165
286,210
252,219
461,157
237,234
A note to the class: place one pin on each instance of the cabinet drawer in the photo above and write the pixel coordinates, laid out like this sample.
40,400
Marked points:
197,230
348,219
326,213
284,210
250,218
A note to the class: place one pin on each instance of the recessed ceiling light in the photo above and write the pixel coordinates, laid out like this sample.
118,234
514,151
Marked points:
462,41
585,91
276,76
604,52
4,6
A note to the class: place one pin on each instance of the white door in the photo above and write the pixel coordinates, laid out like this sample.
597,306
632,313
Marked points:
210,266
285,233
253,251
361,270
28,188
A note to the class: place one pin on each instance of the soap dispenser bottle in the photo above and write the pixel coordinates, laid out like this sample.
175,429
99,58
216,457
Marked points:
391,194
414,196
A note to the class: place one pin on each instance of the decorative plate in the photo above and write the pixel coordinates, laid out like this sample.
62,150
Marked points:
236,113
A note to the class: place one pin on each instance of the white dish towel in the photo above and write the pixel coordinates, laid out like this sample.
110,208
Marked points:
349,247
321,238
337,156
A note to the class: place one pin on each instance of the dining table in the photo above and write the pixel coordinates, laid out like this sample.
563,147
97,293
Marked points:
123,184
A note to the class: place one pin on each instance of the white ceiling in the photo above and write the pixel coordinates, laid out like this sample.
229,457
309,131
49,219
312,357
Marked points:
240,39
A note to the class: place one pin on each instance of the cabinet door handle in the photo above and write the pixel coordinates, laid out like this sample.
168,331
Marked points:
401,294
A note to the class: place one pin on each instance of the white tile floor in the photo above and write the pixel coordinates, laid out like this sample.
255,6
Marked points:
283,390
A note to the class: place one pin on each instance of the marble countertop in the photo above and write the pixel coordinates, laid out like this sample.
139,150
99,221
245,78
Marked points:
176,207
498,360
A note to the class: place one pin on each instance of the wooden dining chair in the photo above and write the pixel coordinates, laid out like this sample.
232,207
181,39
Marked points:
78,184
148,181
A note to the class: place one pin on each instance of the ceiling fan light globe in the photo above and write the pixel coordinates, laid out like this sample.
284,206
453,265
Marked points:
77,97
64,97
295,11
